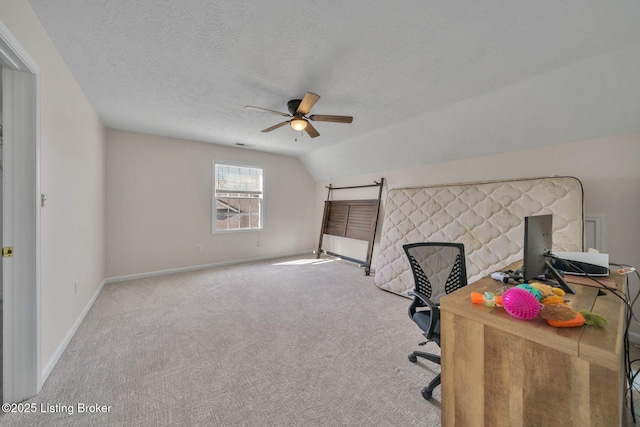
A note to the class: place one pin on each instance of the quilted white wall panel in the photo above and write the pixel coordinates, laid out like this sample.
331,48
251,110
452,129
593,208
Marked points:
488,217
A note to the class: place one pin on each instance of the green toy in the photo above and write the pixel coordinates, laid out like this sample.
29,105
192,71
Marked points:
593,319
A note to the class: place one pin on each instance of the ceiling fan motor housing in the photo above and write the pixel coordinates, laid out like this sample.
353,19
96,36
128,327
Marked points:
293,106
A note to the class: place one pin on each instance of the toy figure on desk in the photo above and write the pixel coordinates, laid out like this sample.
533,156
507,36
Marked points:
562,316
526,301
521,303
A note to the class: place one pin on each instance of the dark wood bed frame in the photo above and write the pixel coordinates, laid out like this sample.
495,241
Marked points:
354,219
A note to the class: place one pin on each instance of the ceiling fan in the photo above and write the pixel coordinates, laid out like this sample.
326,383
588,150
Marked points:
298,110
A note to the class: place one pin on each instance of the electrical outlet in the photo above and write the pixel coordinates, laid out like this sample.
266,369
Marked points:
75,288
199,248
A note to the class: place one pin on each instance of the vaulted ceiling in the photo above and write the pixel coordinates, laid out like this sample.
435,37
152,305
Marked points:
187,68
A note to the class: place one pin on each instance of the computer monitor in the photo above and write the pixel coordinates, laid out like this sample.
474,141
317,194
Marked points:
538,242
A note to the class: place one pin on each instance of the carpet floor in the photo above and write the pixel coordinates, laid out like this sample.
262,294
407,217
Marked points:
288,342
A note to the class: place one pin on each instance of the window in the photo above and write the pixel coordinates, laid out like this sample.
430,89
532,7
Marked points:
237,198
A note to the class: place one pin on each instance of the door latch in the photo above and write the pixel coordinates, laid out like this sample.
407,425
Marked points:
7,252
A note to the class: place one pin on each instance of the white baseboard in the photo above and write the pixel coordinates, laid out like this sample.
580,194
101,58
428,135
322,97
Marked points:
199,267
634,338
67,339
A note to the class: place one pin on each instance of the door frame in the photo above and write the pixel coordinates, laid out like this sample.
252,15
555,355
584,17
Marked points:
22,361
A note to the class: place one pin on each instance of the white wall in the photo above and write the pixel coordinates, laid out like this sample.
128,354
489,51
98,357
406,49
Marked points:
590,99
159,194
72,177
609,169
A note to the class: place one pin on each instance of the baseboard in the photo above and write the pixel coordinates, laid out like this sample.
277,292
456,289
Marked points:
67,339
634,338
199,267
63,345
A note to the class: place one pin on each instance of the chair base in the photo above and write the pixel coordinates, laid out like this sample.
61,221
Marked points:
427,391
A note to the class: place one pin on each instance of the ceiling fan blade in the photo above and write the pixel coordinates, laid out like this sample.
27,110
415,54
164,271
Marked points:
307,103
266,110
311,130
326,118
279,125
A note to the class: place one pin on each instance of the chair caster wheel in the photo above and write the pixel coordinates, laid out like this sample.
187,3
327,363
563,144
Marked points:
413,358
426,393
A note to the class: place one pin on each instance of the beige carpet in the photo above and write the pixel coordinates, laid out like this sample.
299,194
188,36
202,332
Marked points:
289,342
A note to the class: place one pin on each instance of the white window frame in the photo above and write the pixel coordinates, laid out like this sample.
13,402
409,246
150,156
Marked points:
214,208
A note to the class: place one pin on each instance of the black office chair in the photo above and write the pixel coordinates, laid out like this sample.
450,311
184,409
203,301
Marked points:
438,269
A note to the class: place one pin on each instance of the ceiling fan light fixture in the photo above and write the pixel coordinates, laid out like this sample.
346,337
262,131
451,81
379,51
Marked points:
298,124
299,121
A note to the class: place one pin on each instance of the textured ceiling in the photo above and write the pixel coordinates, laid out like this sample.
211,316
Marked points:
186,68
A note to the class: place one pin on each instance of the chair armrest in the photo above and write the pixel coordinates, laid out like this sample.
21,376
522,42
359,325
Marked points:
435,311
423,298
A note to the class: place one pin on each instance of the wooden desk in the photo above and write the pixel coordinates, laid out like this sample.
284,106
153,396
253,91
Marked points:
501,371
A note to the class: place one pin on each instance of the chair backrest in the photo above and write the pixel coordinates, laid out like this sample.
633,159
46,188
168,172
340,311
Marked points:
438,268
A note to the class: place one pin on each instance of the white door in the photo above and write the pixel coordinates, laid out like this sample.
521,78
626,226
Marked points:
20,222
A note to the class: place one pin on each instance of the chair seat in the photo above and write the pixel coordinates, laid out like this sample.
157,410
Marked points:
423,319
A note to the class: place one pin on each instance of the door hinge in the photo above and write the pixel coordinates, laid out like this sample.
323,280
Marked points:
7,252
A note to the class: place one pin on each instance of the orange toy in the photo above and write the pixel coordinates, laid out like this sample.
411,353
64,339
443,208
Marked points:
488,298
555,299
576,321
561,316
477,298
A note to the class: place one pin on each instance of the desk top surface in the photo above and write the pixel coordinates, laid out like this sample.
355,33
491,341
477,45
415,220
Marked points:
600,345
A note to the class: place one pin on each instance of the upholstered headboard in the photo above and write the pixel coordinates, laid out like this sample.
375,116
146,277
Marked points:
488,217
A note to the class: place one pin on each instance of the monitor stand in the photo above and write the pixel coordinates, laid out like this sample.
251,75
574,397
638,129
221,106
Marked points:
558,278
